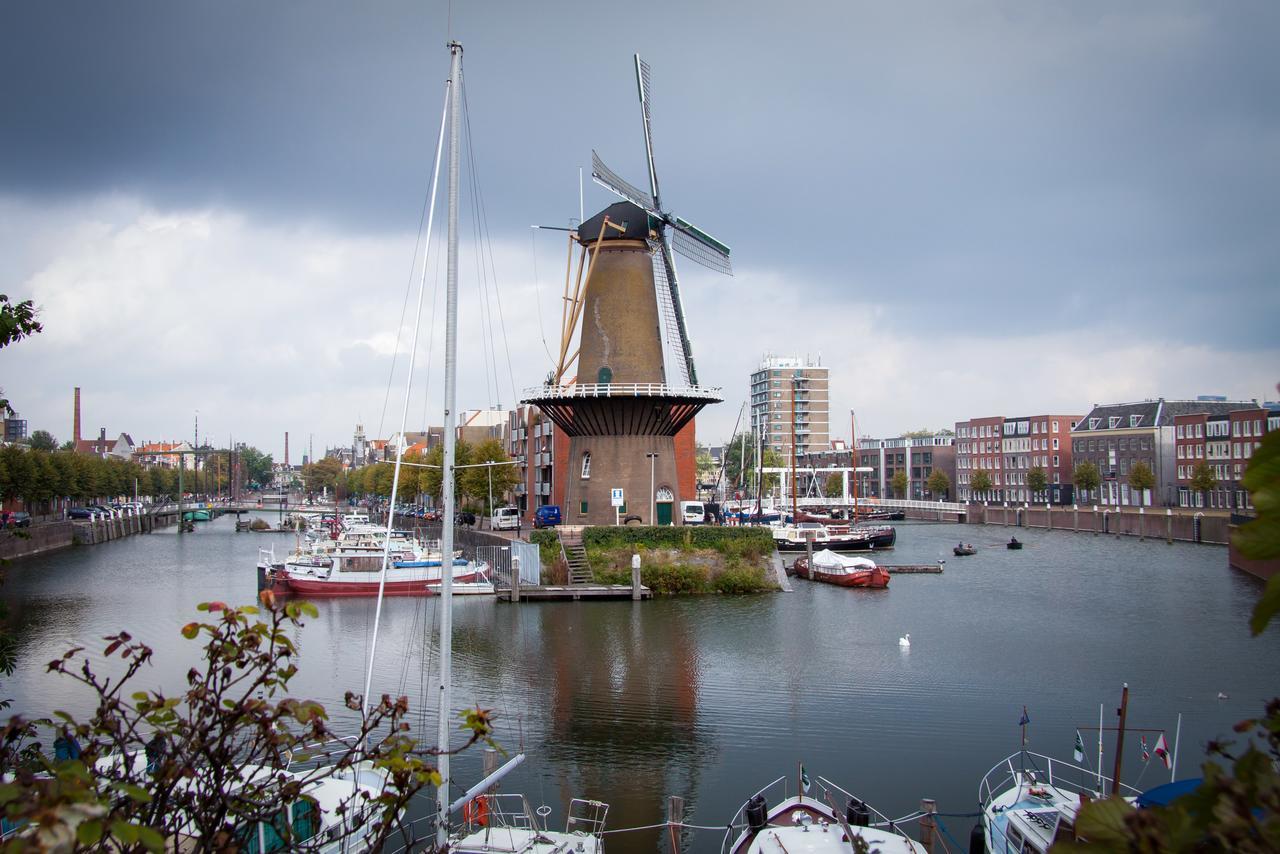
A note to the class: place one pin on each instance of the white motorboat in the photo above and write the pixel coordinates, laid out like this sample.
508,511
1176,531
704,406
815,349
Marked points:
828,820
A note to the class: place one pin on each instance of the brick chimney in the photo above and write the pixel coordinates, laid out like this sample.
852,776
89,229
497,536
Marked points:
75,422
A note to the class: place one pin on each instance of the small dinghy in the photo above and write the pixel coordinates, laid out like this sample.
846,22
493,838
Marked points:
964,550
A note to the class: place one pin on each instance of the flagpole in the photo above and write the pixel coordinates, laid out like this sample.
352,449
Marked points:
800,781
1177,734
1100,791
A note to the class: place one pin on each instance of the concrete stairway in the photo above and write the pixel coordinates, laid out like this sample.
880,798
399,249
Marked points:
575,554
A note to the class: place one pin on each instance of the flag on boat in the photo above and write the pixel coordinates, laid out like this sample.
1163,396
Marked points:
1146,754
1162,750
804,779
1078,753
1025,719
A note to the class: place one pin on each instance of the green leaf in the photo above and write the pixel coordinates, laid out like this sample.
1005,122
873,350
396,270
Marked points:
1267,606
150,838
89,832
310,610
136,793
190,630
124,831
1102,822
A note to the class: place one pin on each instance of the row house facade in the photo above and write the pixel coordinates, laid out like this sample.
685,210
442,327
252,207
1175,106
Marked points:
1008,450
539,450
1115,437
168,455
1224,442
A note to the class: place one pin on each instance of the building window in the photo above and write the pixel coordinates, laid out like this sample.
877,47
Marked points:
1055,426
1094,422
583,508
586,468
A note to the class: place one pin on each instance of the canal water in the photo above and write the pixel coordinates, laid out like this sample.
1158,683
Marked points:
710,698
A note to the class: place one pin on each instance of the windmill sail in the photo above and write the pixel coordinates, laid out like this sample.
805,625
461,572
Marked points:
671,233
677,362
610,180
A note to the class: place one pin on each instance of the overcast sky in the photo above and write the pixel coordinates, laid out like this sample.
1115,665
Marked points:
964,208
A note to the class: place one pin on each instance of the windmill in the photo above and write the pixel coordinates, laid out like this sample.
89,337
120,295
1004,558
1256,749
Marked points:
668,232
625,395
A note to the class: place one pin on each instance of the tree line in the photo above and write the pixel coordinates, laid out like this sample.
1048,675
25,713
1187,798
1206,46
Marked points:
39,477
422,475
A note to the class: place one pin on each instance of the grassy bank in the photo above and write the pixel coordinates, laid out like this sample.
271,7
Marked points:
675,560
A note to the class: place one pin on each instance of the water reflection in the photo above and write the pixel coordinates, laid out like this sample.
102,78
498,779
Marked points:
712,697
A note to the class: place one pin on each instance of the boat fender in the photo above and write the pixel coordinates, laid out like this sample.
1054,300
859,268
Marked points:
857,814
977,840
757,813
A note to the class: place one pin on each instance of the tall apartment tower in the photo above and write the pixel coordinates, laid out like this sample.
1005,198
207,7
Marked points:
773,387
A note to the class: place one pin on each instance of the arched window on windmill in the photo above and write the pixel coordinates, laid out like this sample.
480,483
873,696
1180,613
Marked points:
586,465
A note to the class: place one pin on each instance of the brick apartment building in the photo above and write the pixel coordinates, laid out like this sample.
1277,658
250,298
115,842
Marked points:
536,446
1224,441
1008,449
1116,436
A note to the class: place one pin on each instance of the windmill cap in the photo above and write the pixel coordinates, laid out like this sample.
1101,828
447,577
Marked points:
633,220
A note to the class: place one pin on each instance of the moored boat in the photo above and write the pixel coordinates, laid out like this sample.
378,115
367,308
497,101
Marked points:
842,570
795,538
1013,544
828,821
1030,801
964,550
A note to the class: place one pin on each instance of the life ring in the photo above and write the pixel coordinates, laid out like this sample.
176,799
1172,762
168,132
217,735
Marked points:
476,811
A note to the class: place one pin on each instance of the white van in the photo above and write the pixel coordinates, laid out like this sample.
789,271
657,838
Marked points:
505,518
693,513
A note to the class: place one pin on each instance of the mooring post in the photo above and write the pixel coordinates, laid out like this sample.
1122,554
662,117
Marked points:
1168,525
635,577
928,806
515,579
675,818
808,550
1142,524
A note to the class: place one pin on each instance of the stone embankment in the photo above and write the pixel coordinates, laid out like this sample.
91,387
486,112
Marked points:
50,536
1157,523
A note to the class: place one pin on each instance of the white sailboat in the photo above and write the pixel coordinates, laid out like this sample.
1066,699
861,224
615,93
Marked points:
493,822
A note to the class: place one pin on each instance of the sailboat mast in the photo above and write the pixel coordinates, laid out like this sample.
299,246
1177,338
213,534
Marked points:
450,441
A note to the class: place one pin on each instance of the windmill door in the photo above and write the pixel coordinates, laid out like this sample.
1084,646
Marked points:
665,500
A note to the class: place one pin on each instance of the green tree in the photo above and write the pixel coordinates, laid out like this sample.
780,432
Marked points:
17,320
430,480
938,484
980,482
1141,478
256,465
322,474
475,482
707,468
833,487
42,440
1086,478
1037,480
900,482
1203,480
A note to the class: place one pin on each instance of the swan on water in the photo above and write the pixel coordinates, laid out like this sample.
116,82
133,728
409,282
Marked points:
905,640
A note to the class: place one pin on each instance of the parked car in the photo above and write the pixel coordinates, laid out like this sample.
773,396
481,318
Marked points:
546,516
17,519
80,513
505,518
464,517
693,513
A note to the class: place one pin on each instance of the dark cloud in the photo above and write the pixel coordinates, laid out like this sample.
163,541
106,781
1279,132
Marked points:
1074,158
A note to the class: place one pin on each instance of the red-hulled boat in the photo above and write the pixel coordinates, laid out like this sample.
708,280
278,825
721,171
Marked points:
842,570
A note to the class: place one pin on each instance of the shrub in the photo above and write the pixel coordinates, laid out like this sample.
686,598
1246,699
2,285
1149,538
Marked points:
740,579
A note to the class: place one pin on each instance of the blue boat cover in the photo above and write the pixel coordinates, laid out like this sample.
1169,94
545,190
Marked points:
1162,796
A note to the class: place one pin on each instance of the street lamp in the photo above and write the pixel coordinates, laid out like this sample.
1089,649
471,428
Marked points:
653,495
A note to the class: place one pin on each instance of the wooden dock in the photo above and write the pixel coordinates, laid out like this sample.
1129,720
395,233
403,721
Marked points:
920,568
572,592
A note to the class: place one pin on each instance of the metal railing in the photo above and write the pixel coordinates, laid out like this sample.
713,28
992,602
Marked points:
621,390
